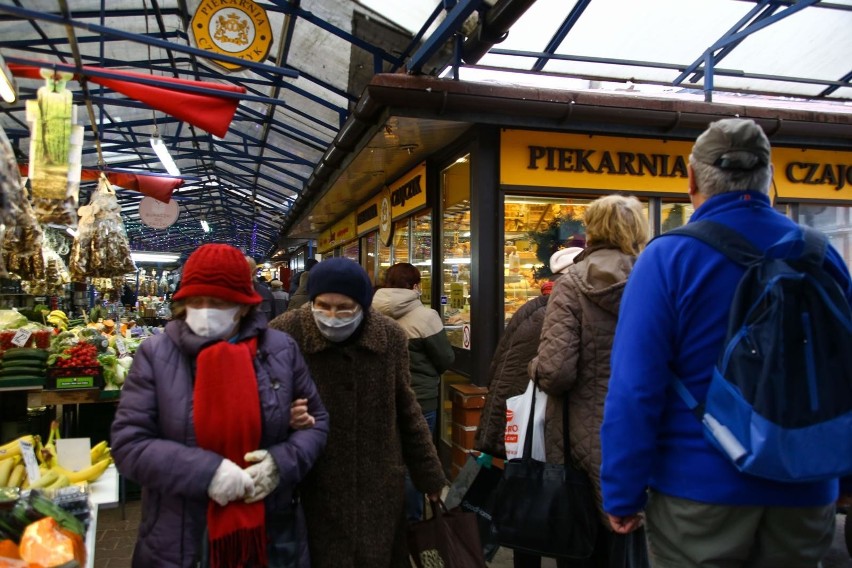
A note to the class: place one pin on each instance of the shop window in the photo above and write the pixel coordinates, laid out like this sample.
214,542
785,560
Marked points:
401,240
674,215
368,255
421,254
535,228
835,222
384,262
351,251
455,250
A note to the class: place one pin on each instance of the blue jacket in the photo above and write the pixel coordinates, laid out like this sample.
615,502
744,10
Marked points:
153,438
673,321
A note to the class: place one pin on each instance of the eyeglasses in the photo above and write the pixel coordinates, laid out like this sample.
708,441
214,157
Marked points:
335,312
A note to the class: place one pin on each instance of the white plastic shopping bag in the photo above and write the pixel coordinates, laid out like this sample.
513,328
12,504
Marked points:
517,418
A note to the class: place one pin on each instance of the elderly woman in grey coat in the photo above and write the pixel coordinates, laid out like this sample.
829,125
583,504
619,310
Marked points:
206,426
576,342
354,496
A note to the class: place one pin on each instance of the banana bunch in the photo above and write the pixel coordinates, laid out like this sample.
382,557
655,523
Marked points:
53,476
58,319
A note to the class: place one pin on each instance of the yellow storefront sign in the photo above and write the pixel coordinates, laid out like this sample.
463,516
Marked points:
324,242
343,231
367,216
613,163
812,174
408,193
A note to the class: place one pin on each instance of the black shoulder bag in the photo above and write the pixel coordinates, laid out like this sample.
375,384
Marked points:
543,508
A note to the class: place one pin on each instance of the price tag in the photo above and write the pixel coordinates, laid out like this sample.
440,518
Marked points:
21,337
120,346
30,462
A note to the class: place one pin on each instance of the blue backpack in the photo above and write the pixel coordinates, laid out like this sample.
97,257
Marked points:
780,400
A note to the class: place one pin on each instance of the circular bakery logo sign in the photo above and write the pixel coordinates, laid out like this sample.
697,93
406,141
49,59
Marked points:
385,218
239,28
156,214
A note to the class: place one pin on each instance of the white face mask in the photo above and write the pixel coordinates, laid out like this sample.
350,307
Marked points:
337,329
212,322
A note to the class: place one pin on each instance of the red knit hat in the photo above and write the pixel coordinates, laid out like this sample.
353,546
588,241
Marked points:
219,271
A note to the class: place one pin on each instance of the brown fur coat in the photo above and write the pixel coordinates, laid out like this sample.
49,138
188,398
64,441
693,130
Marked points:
353,497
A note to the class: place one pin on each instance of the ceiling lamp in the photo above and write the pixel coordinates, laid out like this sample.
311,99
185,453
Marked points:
8,90
163,154
155,257
205,226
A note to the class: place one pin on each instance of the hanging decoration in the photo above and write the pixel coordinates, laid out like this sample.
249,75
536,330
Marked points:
56,148
22,238
101,249
10,186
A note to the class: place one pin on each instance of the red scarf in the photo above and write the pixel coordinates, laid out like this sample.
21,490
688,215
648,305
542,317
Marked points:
227,421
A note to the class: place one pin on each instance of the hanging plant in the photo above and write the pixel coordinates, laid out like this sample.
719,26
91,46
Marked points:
559,233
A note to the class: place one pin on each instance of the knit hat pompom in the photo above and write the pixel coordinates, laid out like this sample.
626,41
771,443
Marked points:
219,271
341,276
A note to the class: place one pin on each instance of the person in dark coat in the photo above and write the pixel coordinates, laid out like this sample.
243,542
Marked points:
280,297
207,425
354,495
429,350
299,286
508,374
267,301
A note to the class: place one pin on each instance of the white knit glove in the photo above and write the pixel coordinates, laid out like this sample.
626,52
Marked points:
229,483
264,475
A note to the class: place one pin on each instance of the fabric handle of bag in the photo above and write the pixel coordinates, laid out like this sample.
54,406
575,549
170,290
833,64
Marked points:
527,451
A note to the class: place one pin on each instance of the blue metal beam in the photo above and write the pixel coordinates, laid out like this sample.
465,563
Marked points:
738,35
287,7
845,79
451,24
562,32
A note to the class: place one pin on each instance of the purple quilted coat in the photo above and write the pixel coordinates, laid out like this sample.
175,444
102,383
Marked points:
153,439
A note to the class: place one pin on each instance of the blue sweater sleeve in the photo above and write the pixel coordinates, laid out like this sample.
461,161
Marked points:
640,376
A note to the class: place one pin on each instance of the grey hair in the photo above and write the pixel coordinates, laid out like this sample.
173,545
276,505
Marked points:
714,181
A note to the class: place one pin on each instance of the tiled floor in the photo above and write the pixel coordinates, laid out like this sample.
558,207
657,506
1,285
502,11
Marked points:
116,537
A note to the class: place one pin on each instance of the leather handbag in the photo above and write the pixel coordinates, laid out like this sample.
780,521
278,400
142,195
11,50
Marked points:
546,509
449,539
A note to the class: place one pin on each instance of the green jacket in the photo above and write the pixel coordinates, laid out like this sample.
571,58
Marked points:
429,350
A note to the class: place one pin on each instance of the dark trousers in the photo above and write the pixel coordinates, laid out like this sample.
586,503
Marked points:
413,498
611,551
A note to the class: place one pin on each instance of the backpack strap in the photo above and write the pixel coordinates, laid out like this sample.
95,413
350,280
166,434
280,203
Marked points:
806,246
724,239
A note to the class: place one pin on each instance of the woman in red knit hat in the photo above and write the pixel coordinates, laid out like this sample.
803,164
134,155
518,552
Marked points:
219,420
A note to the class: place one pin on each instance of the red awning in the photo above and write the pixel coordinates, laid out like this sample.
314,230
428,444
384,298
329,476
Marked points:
207,111
158,187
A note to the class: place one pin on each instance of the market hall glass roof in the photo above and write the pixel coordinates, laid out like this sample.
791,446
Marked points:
324,52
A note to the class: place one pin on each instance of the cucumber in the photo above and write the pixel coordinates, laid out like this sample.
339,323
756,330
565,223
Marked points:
22,372
23,363
11,374
18,353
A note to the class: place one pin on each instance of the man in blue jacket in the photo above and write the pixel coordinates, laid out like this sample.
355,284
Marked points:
700,510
